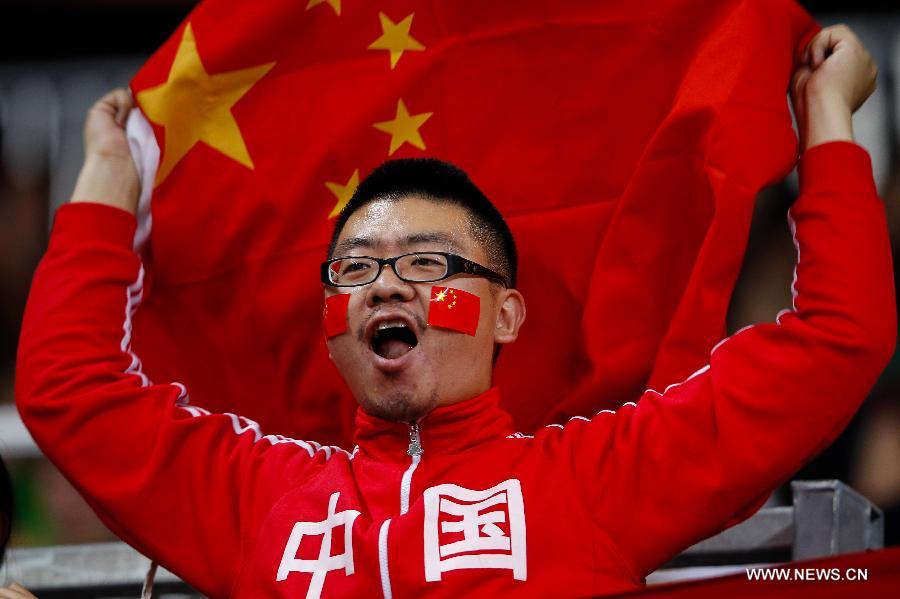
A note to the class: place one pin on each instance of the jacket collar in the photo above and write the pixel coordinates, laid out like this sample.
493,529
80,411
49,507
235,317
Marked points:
445,430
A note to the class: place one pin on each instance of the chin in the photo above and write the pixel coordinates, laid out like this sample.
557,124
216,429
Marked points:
399,405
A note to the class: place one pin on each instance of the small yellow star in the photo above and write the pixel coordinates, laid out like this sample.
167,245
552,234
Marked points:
440,296
404,128
194,106
343,193
335,4
395,37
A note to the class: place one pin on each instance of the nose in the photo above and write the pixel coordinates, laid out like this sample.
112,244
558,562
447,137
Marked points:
388,287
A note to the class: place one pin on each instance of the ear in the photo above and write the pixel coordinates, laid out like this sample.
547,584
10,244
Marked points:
510,316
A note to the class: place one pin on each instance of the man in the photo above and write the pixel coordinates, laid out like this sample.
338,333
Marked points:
441,496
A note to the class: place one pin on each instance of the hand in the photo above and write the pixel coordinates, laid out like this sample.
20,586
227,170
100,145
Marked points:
15,591
104,129
108,175
835,76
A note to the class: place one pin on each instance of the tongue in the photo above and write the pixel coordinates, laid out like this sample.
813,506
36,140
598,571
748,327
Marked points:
393,349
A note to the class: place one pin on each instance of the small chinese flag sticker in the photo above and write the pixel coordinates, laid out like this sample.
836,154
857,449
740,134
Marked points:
335,314
454,309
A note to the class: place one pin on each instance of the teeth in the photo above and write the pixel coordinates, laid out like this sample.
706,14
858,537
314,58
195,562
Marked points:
390,324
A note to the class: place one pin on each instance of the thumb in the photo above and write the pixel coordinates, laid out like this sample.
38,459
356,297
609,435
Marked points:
123,104
798,82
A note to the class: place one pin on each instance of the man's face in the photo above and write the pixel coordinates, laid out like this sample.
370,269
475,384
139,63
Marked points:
405,379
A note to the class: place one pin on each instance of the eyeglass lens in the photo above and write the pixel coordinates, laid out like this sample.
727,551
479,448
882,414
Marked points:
412,267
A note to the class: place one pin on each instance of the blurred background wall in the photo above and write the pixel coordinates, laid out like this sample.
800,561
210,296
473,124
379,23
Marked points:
57,57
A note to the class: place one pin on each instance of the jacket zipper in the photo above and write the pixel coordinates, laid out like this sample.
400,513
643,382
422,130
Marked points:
415,442
415,452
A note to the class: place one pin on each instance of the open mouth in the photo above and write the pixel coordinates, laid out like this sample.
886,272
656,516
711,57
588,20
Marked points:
393,339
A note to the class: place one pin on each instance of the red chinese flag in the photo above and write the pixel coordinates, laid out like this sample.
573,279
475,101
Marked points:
334,316
454,309
625,144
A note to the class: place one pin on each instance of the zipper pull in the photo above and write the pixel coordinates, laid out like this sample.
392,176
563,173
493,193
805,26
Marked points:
415,443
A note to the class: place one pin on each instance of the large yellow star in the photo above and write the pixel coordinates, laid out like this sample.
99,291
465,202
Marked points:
343,193
335,4
194,106
395,37
404,128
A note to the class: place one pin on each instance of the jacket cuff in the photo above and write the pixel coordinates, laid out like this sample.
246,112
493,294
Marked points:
87,221
836,167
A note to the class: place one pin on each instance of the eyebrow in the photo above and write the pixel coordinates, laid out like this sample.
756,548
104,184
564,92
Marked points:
351,244
417,238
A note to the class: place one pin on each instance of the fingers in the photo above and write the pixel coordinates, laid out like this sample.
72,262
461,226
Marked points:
117,103
818,46
826,41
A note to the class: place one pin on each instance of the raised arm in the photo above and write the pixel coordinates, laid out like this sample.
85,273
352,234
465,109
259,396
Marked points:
684,463
184,487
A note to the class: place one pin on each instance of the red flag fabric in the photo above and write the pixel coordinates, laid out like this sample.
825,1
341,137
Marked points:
866,574
624,144
454,309
334,316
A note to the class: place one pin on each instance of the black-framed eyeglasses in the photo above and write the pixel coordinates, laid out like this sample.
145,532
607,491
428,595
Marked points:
419,267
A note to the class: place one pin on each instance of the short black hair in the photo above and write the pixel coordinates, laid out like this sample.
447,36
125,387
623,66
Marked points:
437,181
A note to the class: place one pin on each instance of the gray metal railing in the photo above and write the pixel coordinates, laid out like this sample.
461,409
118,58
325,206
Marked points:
826,518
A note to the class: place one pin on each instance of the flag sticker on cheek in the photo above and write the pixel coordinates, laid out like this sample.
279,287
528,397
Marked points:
454,309
335,314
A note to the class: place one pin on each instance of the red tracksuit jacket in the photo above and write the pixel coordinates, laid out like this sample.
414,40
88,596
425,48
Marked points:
579,509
